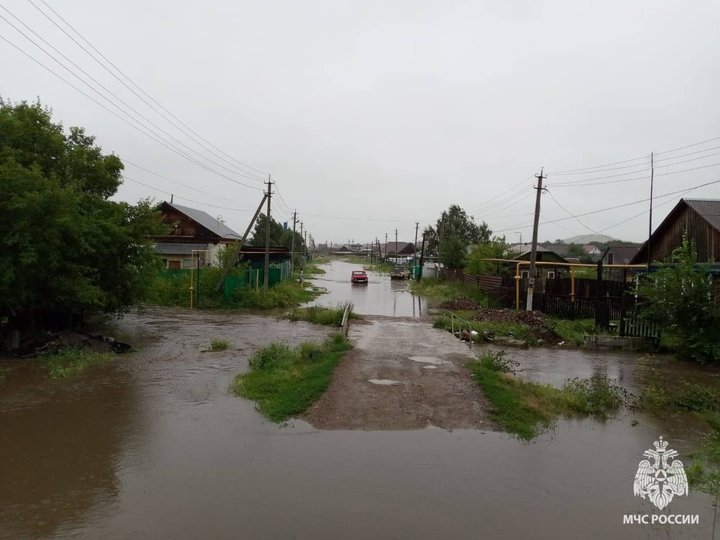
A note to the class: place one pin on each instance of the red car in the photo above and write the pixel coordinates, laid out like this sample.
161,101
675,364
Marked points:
359,276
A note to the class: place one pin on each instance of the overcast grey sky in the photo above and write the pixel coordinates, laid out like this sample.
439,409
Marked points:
372,116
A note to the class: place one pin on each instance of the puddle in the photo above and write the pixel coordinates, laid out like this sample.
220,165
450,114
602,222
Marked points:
427,360
429,367
384,382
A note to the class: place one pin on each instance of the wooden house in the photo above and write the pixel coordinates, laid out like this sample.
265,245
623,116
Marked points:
193,233
699,219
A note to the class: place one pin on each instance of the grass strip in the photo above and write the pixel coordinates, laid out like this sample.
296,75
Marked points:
286,381
72,361
525,408
320,315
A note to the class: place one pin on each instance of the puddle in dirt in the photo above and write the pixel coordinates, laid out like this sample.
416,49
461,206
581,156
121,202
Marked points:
427,360
380,296
154,445
384,382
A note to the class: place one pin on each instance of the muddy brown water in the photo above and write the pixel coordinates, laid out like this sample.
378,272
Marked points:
380,296
153,445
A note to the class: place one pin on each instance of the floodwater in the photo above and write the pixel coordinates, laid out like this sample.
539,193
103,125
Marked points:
380,296
153,445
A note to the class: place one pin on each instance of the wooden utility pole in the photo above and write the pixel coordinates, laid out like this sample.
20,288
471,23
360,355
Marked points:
266,282
395,246
292,245
386,253
652,177
415,246
533,252
441,233
422,255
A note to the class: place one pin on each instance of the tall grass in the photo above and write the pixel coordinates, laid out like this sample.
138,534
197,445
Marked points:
525,408
441,290
173,289
72,361
286,381
219,344
320,315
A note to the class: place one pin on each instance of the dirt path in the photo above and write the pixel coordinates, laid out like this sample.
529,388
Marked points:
418,375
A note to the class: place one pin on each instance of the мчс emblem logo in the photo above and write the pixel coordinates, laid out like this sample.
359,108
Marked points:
662,477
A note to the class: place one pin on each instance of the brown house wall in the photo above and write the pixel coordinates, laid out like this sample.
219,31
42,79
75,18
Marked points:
706,237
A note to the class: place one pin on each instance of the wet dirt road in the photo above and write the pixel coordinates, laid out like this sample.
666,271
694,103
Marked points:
153,445
402,375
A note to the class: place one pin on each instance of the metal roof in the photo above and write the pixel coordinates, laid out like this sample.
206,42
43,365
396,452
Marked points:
709,209
176,248
207,221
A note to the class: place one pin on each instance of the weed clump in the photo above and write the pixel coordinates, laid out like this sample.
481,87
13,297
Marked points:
72,360
285,381
524,408
219,344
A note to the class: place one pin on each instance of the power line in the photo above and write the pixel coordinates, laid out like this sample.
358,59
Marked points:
138,127
148,123
686,190
569,212
645,177
187,130
580,170
125,177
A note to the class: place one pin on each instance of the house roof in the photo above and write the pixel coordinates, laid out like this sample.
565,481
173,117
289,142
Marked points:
708,209
392,247
207,221
623,254
175,248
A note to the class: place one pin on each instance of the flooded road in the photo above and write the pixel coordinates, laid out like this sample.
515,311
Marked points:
153,445
381,295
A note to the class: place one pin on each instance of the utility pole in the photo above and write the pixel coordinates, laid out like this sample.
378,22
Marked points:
395,246
415,247
440,240
533,252
266,275
292,245
652,177
386,253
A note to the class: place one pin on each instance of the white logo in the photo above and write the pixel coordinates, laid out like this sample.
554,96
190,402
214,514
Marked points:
662,479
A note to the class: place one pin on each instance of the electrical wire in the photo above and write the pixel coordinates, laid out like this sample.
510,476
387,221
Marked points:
138,128
569,212
148,124
182,126
125,177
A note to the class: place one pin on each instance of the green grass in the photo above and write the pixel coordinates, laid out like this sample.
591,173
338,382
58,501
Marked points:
287,293
525,408
704,401
72,361
497,328
573,331
442,290
311,269
219,344
286,381
4,372
320,315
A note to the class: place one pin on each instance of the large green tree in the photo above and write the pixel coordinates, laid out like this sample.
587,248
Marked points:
65,246
279,235
453,234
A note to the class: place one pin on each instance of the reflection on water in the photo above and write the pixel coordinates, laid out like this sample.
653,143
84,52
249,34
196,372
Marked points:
154,446
381,295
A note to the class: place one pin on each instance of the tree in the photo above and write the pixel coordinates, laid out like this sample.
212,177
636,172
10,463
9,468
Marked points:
65,246
455,231
279,235
682,300
494,249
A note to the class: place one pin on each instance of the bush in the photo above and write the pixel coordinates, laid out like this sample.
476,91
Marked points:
680,298
219,344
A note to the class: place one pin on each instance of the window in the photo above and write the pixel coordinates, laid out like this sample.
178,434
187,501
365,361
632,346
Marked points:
611,258
187,263
524,274
551,274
